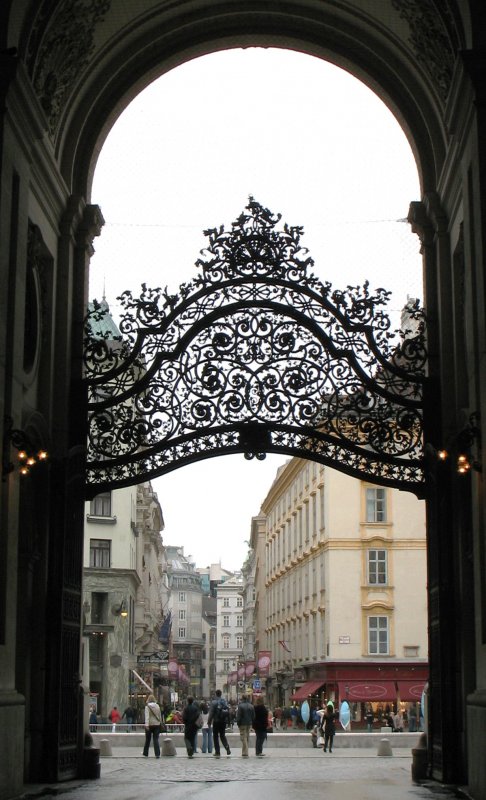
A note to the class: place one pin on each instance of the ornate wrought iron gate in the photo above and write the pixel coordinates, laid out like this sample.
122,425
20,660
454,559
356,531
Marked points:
255,355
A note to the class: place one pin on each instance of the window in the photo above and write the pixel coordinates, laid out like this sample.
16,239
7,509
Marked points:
226,664
182,633
98,608
226,641
100,505
100,553
375,505
239,620
239,602
226,620
239,642
225,602
182,597
377,572
182,613
378,635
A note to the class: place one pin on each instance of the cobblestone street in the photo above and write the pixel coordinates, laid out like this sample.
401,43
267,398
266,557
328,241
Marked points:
281,775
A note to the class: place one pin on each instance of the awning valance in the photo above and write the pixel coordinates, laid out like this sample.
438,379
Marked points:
303,692
370,691
411,690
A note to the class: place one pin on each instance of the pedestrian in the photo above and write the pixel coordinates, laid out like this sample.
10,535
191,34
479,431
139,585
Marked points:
412,718
398,721
218,718
277,715
294,715
207,734
329,727
114,716
129,715
93,719
153,725
190,716
369,717
245,716
260,725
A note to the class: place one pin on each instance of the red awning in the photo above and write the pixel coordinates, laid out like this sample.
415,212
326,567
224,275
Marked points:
411,690
303,692
370,691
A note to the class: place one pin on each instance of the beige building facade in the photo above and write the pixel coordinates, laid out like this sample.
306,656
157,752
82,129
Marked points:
124,590
345,588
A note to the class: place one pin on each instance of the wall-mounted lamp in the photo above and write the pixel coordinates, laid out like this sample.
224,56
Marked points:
28,456
462,446
121,610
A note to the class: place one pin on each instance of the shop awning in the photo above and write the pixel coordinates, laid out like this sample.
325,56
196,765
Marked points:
370,691
410,690
303,692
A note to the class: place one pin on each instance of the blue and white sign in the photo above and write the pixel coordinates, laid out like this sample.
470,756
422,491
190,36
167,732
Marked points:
257,685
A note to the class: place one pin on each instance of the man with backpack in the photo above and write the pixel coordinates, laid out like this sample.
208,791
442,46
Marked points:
218,718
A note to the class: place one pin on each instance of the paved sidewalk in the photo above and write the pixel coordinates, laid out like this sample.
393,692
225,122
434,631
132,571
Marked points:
283,774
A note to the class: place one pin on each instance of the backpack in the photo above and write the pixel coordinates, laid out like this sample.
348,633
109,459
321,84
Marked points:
221,711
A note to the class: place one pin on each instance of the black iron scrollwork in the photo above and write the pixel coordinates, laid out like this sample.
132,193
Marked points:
255,355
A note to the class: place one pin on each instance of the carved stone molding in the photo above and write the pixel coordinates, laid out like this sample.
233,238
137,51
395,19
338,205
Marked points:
434,37
59,49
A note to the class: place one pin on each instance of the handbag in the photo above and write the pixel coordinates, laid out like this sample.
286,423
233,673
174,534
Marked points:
200,721
320,741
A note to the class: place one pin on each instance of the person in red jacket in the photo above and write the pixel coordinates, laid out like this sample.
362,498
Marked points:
114,716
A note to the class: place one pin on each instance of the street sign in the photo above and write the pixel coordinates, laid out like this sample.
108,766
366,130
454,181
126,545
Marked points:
257,685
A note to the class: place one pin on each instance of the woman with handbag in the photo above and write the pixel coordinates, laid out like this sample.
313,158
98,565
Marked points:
153,725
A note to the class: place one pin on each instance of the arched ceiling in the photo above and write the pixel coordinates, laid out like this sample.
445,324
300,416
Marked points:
88,58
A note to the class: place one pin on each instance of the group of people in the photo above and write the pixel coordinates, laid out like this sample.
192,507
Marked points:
212,720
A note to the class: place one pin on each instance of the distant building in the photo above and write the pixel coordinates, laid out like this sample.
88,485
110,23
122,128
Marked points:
123,593
185,661
229,652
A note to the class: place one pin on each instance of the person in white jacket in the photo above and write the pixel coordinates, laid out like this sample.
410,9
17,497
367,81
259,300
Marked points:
153,725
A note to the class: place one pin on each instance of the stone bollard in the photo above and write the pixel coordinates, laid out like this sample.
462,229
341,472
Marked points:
168,748
105,748
384,748
419,759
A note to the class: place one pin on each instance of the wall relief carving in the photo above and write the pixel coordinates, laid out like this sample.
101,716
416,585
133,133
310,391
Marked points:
59,49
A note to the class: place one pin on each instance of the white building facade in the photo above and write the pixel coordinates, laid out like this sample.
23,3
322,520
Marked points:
230,640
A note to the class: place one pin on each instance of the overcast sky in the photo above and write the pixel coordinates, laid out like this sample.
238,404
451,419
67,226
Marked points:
307,140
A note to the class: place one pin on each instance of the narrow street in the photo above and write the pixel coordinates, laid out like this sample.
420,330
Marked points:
283,774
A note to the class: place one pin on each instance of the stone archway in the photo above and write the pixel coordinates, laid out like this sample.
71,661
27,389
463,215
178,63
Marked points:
68,70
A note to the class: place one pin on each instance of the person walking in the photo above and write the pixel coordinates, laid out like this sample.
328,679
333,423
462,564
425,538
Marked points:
329,727
129,715
260,725
245,717
114,716
218,718
153,724
189,716
207,734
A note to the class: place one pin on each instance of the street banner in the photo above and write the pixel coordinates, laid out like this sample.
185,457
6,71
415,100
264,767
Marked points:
241,672
172,668
264,659
249,668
